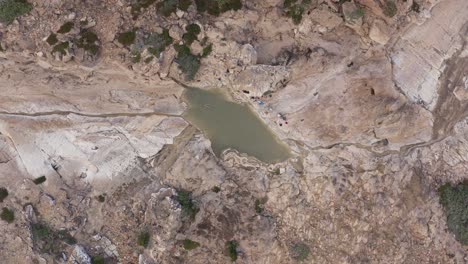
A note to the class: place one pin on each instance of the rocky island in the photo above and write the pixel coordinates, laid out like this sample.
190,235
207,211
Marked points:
233,131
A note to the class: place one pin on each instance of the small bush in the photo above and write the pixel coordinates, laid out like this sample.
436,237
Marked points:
42,179
158,42
101,198
126,38
143,239
416,7
300,251
231,248
52,39
7,215
65,28
188,63
216,7
184,4
11,9
135,56
3,194
207,50
87,41
189,209
167,7
138,7
216,189
193,29
390,8
295,9
189,38
98,260
149,59
190,244
49,240
454,199
259,205
356,14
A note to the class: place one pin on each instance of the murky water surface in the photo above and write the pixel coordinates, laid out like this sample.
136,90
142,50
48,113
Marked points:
231,125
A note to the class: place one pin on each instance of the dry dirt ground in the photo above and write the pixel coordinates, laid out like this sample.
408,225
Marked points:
376,111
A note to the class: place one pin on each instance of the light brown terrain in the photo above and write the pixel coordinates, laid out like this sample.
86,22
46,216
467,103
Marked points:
377,121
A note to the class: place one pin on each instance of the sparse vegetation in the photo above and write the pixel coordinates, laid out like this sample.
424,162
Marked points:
7,215
143,239
207,50
231,248
295,9
190,244
11,9
135,56
191,35
216,7
390,8
416,7
216,189
188,63
356,14
149,59
300,251
158,42
52,39
3,194
139,6
98,260
259,205
167,7
49,240
189,209
454,200
65,28
42,179
88,41
126,38
101,198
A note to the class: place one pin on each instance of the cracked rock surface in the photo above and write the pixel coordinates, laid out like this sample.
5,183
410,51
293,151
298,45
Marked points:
371,99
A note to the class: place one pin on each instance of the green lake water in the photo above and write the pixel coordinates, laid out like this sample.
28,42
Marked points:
231,125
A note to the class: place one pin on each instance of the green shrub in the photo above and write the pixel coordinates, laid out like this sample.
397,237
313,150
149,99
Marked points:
149,59
216,189
61,48
52,39
143,239
49,240
7,215
11,9
295,9
207,50
193,28
189,209
390,8
188,63
135,56
356,14
231,248
190,244
416,7
98,260
216,7
454,199
87,41
3,194
167,7
259,205
65,28
189,38
126,38
137,8
157,43
184,4
300,251
101,198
